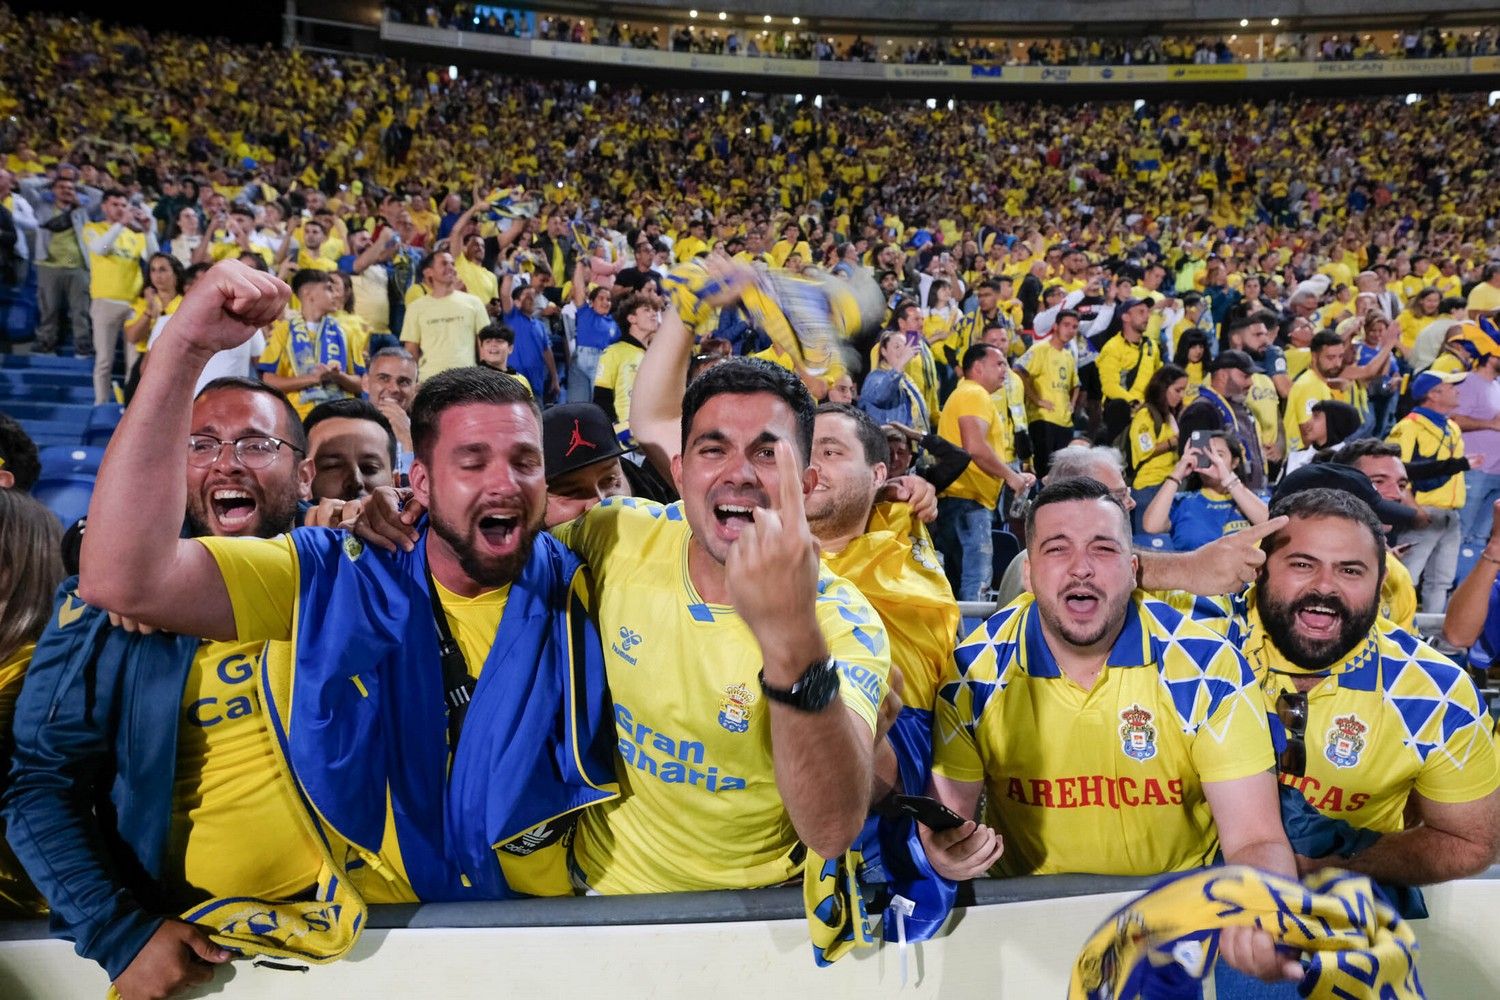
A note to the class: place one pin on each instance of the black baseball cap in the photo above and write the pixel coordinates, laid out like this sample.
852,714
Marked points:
1328,476
1131,303
575,435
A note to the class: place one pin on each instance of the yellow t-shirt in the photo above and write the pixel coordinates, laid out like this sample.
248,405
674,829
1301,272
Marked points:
699,807
1054,372
480,281
617,370
1411,325
262,576
1398,595
1484,297
1394,717
1264,404
1306,392
894,565
237,827
970,400
1419,439
445,329
1297,361
1108,780
115,274
138,309
1144,436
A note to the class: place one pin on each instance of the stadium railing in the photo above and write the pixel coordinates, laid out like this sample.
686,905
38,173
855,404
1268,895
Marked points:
1013,938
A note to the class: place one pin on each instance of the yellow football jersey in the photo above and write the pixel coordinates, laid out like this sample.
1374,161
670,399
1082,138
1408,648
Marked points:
1394,717
699,806
1107,780
1054,371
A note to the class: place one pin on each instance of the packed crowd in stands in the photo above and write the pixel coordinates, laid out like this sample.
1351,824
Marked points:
799,43
736,402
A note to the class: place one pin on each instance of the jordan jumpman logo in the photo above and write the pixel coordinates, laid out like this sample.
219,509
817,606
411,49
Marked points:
578,441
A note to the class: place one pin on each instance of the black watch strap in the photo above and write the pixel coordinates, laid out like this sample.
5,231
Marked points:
813,691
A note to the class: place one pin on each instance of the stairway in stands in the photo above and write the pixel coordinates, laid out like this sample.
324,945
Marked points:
51,396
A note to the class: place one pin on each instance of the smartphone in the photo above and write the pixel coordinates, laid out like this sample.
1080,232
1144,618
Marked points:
929,812
1199,440
912,338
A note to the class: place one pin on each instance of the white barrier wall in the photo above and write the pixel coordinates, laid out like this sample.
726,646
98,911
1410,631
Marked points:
1021,950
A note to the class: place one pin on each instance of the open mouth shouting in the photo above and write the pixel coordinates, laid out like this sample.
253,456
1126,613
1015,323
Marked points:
499,531
233,508
1320,619
1082,602
732,515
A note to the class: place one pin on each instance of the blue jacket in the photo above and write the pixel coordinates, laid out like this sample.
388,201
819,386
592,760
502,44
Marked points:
89,806
892,397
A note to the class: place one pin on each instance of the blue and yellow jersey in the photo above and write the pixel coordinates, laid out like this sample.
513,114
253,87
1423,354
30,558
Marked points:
1420,439
1107,780
699,807
1393,717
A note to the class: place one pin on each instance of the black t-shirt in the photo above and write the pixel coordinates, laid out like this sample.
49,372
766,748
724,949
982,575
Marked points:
635,279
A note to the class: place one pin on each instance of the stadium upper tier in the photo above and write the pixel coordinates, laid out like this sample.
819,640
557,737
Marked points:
136,105
1258,37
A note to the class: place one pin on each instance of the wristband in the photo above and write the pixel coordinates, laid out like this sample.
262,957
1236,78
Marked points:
1488,558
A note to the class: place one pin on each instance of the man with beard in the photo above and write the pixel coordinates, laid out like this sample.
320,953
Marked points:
1312,386
1113,734
181,749
1382,731
1220,406
385,688
351,450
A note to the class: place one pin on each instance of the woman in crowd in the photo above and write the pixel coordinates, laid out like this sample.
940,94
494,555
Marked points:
187,233
890,396
1153,436
1192,355
1204,497
160,297
30,570
941,311
1332,423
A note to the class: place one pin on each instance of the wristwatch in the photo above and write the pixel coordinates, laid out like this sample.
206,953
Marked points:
818,685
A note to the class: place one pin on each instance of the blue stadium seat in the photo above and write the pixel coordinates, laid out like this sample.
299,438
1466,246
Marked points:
103,420
66,496
70,461
1156,543
1007,547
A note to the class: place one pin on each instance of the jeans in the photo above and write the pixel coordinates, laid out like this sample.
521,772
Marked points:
581,371
108,317
1482,490
1433,556
962,534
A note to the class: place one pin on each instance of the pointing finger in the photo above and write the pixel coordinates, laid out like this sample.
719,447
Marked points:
789,489
1259,531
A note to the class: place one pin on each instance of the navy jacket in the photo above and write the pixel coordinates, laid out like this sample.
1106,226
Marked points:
89,806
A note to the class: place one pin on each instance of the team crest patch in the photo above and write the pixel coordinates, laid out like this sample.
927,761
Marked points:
353,547
1345,740
734,708
1137,735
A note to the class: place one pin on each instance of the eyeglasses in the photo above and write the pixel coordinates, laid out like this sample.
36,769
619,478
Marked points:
1291,709
253,451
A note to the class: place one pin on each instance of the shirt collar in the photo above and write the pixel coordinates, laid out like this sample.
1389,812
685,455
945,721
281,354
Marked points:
1129,650
1433,416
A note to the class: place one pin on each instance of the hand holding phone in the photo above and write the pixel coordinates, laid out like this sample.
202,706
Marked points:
928,811
1198,444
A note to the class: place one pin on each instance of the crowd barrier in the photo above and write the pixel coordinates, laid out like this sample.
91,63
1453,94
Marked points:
812,71
1015,938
